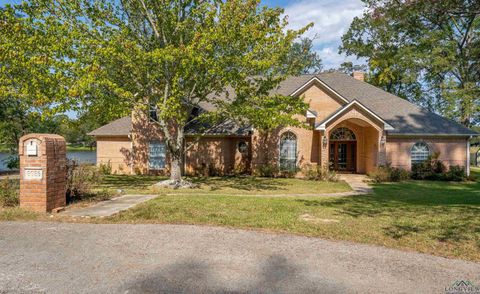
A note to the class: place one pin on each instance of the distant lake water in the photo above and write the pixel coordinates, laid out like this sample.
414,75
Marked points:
80,156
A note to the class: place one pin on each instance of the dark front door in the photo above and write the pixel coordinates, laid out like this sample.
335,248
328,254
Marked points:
342,156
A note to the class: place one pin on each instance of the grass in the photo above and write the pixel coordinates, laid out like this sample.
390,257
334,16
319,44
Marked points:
224,186
72,147
438,218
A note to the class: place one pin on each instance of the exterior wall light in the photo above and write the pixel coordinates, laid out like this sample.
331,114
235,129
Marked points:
324,141
383,140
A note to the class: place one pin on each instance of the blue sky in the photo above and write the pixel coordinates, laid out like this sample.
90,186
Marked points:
331,19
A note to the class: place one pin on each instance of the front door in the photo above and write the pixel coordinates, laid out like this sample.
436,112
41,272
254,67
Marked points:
342,156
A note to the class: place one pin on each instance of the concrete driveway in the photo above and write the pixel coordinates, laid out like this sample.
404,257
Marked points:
38,257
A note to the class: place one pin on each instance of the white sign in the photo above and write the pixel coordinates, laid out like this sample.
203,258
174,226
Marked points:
33,174
32,148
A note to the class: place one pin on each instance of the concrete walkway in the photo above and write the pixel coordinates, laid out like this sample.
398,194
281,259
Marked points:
109,207
42,257
357,182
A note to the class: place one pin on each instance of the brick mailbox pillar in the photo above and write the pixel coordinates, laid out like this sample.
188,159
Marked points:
42,172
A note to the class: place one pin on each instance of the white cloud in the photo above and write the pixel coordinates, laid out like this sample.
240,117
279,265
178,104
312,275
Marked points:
331,20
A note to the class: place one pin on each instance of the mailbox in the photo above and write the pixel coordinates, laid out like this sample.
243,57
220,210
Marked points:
32,148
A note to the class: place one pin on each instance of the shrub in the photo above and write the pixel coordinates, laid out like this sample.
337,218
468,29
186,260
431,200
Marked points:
80,180
430,169
433,169
9,193
268,170
288,173
317,173
456,173
387,173
105,168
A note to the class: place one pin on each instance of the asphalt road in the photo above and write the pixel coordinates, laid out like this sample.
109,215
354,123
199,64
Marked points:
38,257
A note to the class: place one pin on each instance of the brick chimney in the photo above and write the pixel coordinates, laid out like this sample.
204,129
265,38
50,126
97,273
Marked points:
359,75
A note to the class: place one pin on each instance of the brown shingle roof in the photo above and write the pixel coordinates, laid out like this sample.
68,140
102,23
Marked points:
119,127
405,117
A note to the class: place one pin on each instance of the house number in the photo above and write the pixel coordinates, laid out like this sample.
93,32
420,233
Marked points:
33,174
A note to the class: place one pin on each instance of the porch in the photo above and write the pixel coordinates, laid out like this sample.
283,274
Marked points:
352,141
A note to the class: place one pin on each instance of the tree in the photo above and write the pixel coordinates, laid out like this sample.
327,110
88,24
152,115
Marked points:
425,51
170,54
302,55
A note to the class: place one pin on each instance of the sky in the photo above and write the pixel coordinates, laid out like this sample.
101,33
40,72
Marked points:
331,19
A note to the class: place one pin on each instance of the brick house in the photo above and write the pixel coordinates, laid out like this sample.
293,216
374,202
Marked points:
354,128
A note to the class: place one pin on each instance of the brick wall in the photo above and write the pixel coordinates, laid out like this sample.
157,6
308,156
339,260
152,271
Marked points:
453,151
48,192
116,151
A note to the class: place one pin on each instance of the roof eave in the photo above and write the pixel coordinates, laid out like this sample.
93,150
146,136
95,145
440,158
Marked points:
322,126
316,79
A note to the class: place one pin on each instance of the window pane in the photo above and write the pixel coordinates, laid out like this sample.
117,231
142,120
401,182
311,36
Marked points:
288,151
157,154
420,152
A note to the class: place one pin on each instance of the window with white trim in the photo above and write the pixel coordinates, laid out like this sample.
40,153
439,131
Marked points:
288,151
157,152
419,152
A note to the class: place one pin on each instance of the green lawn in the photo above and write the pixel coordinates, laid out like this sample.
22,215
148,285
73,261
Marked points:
432,217
224,186
73,147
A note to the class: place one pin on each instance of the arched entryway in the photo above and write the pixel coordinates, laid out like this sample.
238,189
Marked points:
343,150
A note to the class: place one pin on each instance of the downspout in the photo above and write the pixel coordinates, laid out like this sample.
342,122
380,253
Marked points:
133,155
468,156
184,156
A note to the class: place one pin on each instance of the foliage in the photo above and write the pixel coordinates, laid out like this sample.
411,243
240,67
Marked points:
433,169
105,168
425,51
456,173
9,193
81,179
318,173
175,55
430,169
268,170
387,173
12,162
302,55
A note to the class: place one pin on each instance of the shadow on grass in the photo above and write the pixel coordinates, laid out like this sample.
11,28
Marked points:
129,181
246,183
445,211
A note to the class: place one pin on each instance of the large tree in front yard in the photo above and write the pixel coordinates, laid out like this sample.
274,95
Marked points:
172,55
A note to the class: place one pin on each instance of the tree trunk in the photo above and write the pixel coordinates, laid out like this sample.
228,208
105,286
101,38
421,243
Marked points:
175,168
175,147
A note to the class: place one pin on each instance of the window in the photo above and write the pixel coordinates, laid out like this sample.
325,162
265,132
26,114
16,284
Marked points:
342,134
242,147
153,113
288,151
420,152
156,155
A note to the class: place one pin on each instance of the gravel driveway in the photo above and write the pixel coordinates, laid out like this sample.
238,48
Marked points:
38,257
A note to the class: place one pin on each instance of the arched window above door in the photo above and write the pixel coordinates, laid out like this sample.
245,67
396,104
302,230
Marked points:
342,134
